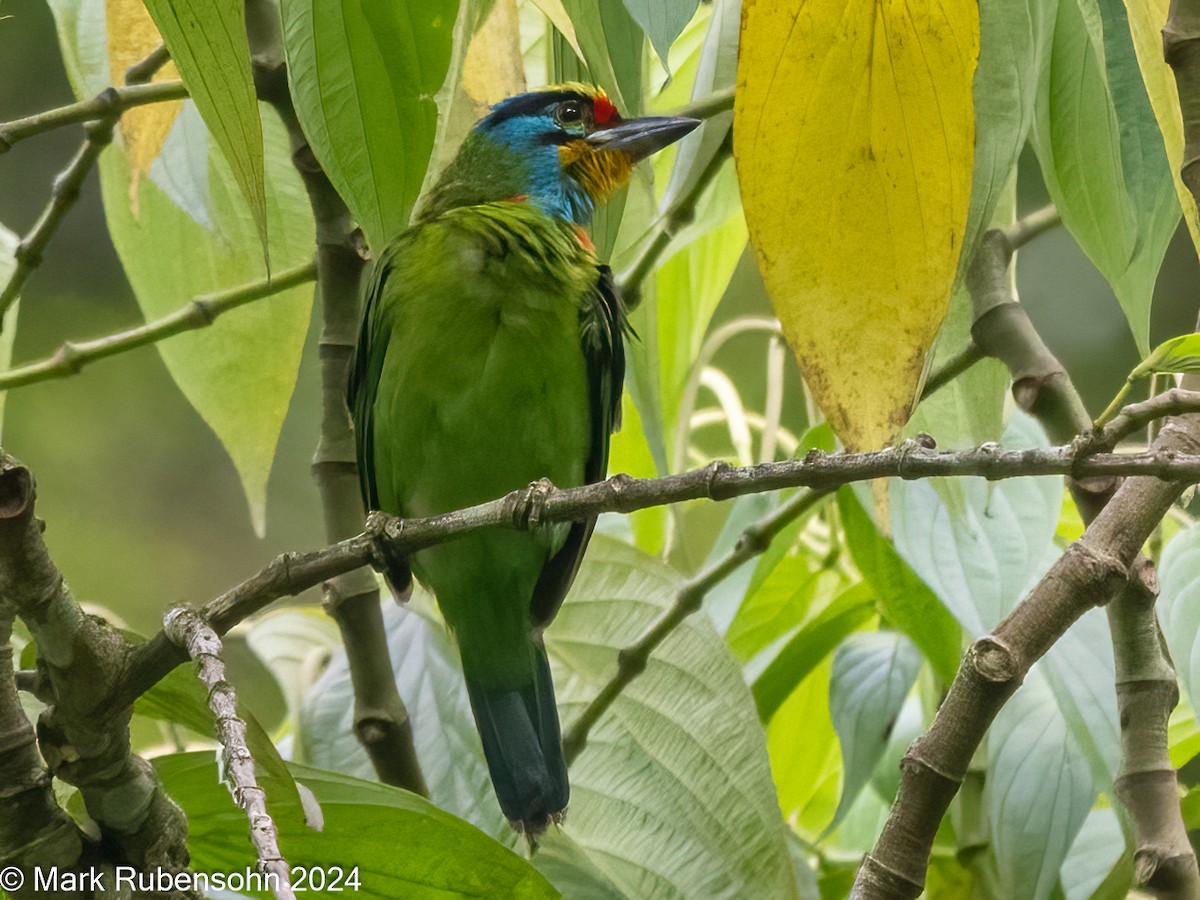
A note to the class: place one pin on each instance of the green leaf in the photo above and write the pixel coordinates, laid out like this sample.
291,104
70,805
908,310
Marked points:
810,644
663,21
1102,153
8,327
1038,790
402,845
904,598
717,70
189,233
983,551
672,795
568,867
872,674
1179,608
804,754
185,230
1014,40
363,79
207,42
1098,850
1179,354
290,643
612,50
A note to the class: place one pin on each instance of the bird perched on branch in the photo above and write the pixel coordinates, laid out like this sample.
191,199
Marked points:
490,357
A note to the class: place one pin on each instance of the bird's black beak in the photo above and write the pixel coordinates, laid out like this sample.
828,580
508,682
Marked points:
638,138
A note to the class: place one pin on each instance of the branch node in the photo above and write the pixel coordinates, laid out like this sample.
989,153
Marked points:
994,660
714,473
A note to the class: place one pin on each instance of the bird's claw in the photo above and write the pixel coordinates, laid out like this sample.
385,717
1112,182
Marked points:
531,504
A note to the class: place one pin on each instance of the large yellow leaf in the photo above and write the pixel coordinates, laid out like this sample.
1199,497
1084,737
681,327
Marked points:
1146,20
131,38
854,139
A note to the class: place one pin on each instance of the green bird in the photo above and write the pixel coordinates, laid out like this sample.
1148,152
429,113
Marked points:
491,356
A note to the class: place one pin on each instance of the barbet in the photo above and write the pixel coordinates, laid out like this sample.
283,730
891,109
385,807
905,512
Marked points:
490,357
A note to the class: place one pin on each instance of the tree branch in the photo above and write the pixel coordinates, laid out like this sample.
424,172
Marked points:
105,109
632,660
1145,680
107,105
83,739
34,832
387,538
352,598
188,630
199,312
1093,571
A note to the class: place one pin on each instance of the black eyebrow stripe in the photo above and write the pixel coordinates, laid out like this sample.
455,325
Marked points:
530,105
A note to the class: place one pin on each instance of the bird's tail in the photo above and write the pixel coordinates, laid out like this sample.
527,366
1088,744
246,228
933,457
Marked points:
523,746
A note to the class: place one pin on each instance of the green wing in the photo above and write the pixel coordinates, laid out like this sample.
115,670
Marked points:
603,326
362,384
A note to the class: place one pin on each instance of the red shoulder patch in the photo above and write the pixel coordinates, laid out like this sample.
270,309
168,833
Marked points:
603,111
585,240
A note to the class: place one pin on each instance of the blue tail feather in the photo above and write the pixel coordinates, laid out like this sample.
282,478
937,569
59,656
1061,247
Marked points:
522,743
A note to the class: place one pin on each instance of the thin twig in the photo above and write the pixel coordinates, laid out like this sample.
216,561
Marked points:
632,660
199,312
1033,225
62,197
108,104
670,221
955,366
713,105
141,72
188,630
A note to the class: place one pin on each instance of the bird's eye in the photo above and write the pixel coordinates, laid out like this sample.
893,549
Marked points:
569,113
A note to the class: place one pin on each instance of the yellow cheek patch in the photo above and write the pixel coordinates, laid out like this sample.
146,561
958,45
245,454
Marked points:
600,172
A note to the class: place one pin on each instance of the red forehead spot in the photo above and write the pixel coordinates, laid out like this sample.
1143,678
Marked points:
603,111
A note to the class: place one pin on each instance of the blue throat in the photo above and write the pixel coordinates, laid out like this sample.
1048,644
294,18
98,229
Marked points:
544,181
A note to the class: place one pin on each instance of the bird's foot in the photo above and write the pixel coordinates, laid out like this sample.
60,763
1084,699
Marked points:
530,504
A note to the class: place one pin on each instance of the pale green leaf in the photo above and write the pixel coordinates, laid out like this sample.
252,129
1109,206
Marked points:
239,373
1099,848
208,44
663,21
293,644
195,236
981,554
402,845
808,645
1014,44
904,598
363,78
672,795
804,754
1038,790
1179,607
873,672
1102,154
612,50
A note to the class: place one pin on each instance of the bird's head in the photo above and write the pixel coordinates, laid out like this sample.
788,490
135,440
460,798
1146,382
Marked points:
564,148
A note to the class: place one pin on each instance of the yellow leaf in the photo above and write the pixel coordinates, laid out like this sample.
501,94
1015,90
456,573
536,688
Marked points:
131,38
493,68
854,139
1146,20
